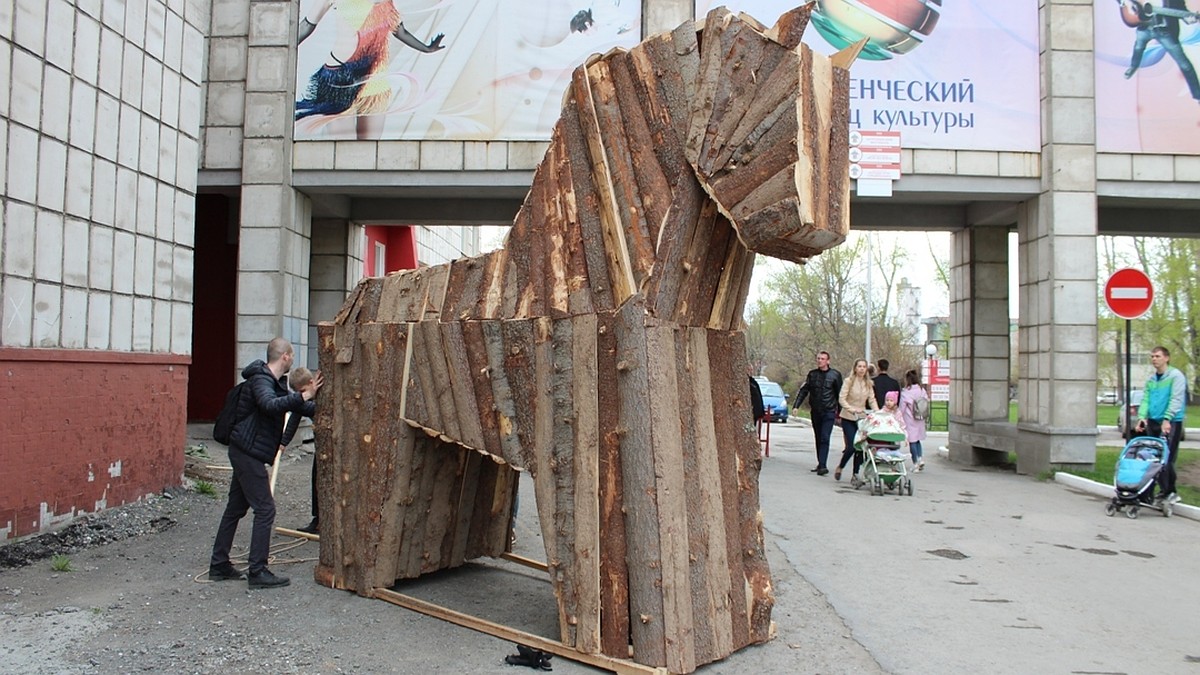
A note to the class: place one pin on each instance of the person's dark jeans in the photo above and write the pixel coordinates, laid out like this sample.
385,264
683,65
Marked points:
849,431
249,489
1171,45
1166,477
822,424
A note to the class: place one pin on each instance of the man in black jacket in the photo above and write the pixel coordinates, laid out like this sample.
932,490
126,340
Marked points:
884,382
256,437
822,387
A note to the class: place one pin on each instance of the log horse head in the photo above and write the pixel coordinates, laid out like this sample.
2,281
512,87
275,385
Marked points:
600,350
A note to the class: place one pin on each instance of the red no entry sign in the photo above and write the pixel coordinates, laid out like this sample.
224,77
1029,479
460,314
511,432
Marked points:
1129,293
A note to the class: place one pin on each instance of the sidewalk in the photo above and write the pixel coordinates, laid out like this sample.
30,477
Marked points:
982,570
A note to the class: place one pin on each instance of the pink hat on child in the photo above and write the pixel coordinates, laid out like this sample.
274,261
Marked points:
891,397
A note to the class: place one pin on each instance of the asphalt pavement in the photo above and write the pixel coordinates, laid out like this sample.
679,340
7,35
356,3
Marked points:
982,570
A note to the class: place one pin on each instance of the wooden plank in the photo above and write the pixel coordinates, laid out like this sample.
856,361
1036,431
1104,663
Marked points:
727,359
401,296
586,199
423,396
774,97
328,432
392,514
718,35
706,521
650,179
436,279
611,138
443,506
553,225
468,487
460,384
490,481
531,267
502,394
517,367
672,271
441,384
527,562
656,80
463,286
789,27
671,499
555,476
643,553
412,563
586,440
620,267
614,573
619,666
732,287
479,371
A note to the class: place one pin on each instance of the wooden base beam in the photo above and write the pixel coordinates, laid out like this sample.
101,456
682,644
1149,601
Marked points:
619,666
297,534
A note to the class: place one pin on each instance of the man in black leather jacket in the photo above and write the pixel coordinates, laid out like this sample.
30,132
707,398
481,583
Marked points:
822,388
255,439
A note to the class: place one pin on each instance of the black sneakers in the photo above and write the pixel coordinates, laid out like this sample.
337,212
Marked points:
265,579
226,572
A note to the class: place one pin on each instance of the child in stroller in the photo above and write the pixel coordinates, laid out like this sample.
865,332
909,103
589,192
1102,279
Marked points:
1136,476
879,438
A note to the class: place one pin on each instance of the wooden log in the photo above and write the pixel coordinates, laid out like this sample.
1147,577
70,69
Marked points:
517,366
425,386
464,511
429,339
789,27
479,370
328,429
586,199
401,297
442,515
614,574
423,484
655,78
707,534
728,363
460,384
673,271
671,499
643,546
621,273
464,285
436,279
585,438
647,147
553,225
503,397
555,474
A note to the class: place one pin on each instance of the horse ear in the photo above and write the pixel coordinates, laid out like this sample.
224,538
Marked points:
789,29
847,56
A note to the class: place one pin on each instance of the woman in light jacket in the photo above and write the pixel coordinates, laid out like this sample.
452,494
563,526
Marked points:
857,397
914,424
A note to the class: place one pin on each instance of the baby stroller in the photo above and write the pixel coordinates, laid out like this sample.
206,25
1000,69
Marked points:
879,439
1135,477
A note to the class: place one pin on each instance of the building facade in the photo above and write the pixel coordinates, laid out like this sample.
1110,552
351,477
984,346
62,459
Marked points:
164,215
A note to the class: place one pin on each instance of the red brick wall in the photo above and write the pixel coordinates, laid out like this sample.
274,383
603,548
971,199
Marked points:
81,431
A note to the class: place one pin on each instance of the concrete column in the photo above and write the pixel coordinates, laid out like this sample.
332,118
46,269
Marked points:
274,250
337,265
979,347
1057,231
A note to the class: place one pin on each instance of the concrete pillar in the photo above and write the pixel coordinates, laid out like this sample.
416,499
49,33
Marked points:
337,265
1057,232
274,250
979,347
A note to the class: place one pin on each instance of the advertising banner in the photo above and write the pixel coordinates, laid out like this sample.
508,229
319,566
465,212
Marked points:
446,69
963,76
1147,92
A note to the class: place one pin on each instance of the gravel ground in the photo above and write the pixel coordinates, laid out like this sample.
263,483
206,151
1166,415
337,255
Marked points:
136,599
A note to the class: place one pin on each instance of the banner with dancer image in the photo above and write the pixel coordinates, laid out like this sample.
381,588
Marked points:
478,70
959,75
1147,90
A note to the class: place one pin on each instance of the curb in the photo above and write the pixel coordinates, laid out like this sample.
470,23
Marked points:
1101,490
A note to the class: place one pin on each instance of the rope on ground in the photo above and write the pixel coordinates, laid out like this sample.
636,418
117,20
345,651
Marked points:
272,559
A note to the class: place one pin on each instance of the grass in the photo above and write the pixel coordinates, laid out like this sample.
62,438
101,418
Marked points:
206,488
1106,462
60,563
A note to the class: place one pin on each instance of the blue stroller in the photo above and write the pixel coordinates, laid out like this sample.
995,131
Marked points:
1135,476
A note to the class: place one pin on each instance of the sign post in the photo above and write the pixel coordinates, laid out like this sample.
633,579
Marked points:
1129,294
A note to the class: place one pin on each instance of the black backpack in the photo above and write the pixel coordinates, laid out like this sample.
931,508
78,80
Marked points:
227,418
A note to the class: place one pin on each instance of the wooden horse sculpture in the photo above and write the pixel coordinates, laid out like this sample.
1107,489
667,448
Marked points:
600,349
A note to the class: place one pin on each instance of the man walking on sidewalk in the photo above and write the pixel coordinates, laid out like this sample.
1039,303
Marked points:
822,387
1161,413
